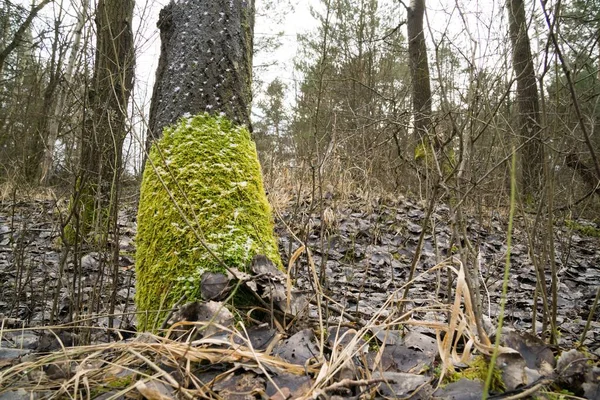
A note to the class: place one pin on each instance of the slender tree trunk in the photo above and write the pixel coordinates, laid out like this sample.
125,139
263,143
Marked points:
36,142
53,121
106,123
527,100
18,37
419,69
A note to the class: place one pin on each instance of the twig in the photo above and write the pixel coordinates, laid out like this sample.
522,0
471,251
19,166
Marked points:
349,383
341,312
171,312
523,392
162,372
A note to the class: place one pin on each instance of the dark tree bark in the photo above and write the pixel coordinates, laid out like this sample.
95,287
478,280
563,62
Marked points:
419,68
527,100
105,126
205,62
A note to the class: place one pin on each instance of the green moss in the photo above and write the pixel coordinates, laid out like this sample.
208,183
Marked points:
119,382
586,230
424,156
111,383
211,169
422,152
478,370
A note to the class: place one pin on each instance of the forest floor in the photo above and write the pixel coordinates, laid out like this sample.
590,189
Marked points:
362,251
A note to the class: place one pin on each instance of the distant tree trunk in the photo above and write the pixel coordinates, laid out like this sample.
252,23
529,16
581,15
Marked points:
202,202
587,173
36,142
419,69
18,37
105,126
54,119
527,100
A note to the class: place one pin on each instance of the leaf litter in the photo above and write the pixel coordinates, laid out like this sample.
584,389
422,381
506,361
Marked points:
349,342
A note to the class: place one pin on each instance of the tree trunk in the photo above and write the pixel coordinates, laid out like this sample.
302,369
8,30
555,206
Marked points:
54,119
527,100
419,69
202,204
205,62
105,126
36,142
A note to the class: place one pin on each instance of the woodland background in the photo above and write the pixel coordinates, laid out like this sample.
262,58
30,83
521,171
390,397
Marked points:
403,145
384,102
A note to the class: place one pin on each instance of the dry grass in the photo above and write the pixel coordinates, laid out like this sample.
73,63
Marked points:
11,191
130,366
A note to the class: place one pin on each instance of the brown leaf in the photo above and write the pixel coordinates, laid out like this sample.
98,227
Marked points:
155,390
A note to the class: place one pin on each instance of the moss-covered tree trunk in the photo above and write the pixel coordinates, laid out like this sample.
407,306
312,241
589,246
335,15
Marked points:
202,200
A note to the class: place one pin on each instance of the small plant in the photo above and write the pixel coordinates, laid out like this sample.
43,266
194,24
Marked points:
478,370
584,229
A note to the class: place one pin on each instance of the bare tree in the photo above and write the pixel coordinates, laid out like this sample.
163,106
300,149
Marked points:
105,125
419,69
21,31
59,105
527,99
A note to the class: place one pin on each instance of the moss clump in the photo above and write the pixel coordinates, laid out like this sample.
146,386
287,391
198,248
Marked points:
586,230
210,170
477,371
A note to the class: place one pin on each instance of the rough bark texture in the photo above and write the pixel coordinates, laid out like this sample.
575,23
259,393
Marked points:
419,68
205,62
527,100
202,202
105,126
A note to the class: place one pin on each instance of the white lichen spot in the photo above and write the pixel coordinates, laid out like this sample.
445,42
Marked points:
242,184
